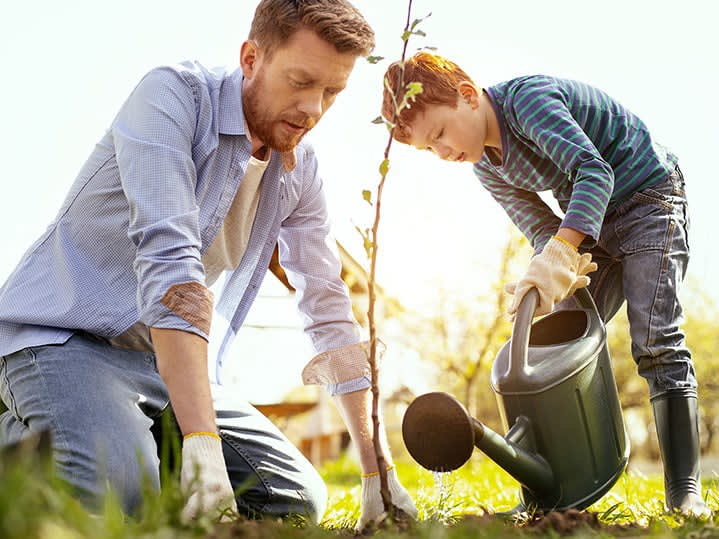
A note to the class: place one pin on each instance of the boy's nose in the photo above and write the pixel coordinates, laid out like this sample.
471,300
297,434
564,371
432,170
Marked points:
442,151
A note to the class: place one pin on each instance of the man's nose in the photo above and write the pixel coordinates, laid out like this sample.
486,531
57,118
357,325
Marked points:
311,104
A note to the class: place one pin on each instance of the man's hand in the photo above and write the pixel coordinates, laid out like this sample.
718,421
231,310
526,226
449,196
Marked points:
204,476
372,506
557,272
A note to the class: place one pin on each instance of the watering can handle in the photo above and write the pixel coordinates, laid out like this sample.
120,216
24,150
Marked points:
520,332
523,324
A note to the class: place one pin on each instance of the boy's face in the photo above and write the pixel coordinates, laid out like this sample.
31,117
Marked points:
452,133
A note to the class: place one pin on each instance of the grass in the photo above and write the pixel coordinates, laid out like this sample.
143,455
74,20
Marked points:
35,504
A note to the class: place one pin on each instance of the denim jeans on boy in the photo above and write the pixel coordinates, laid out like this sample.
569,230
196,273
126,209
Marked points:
100,402
642,255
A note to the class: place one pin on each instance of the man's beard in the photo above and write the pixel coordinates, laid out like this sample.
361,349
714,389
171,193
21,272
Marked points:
261,123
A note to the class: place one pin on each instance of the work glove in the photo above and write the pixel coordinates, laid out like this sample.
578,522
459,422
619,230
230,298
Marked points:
204,477
557,272
372,507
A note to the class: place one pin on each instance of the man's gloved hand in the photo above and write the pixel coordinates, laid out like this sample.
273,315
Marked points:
204,476
371,506
557,272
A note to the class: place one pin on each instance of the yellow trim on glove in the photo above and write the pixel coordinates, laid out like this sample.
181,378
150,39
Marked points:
565,242
372,474
210,434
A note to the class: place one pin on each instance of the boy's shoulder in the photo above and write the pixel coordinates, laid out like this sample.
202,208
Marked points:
509,90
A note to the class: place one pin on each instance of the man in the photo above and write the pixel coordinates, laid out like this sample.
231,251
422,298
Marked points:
624,209
106,319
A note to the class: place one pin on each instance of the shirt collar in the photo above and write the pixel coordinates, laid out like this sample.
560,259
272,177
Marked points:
232,117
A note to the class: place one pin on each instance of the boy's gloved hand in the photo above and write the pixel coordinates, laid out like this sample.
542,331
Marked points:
371,505
204,476
557,272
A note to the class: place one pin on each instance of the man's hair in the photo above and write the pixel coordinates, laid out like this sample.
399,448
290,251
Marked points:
336,21
439,78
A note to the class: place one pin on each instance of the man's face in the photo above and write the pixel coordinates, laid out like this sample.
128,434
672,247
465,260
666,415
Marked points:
452,133
286,95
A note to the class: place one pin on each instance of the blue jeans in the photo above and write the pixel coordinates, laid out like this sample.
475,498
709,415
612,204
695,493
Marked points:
642,254
100,403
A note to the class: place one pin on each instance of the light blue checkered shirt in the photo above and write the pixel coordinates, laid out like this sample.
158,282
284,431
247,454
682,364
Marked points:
145,207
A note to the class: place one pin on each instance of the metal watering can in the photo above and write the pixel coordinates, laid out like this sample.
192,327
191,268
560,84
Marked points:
567,444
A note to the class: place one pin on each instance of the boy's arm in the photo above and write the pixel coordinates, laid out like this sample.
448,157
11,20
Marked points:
541,113
526,209
557,269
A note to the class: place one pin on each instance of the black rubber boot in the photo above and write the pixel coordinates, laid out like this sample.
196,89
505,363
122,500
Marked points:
676,419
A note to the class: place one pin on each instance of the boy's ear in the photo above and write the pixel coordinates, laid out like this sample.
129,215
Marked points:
469,93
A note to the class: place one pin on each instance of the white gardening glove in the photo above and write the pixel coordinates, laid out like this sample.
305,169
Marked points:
371,505
204,477
585,266
557,272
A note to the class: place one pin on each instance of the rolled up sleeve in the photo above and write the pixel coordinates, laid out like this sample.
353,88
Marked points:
153,136
308,251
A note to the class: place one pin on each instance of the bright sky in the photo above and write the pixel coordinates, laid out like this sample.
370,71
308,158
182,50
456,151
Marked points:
69,65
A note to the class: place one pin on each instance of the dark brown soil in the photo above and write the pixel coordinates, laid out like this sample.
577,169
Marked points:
570,521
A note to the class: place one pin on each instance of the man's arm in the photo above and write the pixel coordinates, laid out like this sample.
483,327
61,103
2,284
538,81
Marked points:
182,363
308,252
356,411
153,135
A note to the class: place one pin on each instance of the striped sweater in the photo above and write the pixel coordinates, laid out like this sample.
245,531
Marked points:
572,139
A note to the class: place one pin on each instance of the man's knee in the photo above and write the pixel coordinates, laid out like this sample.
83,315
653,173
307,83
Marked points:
312,497
122,468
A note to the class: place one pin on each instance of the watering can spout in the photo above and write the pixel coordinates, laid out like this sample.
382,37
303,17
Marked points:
441,436
527,467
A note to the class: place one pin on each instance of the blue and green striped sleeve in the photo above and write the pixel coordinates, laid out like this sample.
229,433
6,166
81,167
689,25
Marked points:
526,209
541,113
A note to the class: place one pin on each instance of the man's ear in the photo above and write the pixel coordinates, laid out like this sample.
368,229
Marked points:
249,55
469,93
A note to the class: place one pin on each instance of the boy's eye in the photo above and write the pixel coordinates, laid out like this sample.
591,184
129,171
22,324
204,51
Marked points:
439,135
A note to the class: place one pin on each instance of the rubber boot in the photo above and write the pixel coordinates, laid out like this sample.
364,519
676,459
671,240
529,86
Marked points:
676,419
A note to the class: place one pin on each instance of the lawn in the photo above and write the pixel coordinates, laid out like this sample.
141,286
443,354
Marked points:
457,505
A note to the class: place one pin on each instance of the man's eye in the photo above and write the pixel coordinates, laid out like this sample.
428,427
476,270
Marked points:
298,84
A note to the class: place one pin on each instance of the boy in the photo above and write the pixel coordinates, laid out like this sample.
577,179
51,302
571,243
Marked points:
624,207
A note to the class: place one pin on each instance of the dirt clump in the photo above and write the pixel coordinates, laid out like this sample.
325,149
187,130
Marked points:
571,521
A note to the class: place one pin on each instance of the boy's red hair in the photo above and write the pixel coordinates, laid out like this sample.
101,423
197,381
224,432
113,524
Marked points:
439,77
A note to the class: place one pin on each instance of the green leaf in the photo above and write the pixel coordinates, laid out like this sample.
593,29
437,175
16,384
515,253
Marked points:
417,21
413,88
405,35
367,195
384,167
378,120
368,247
419,33
374,59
